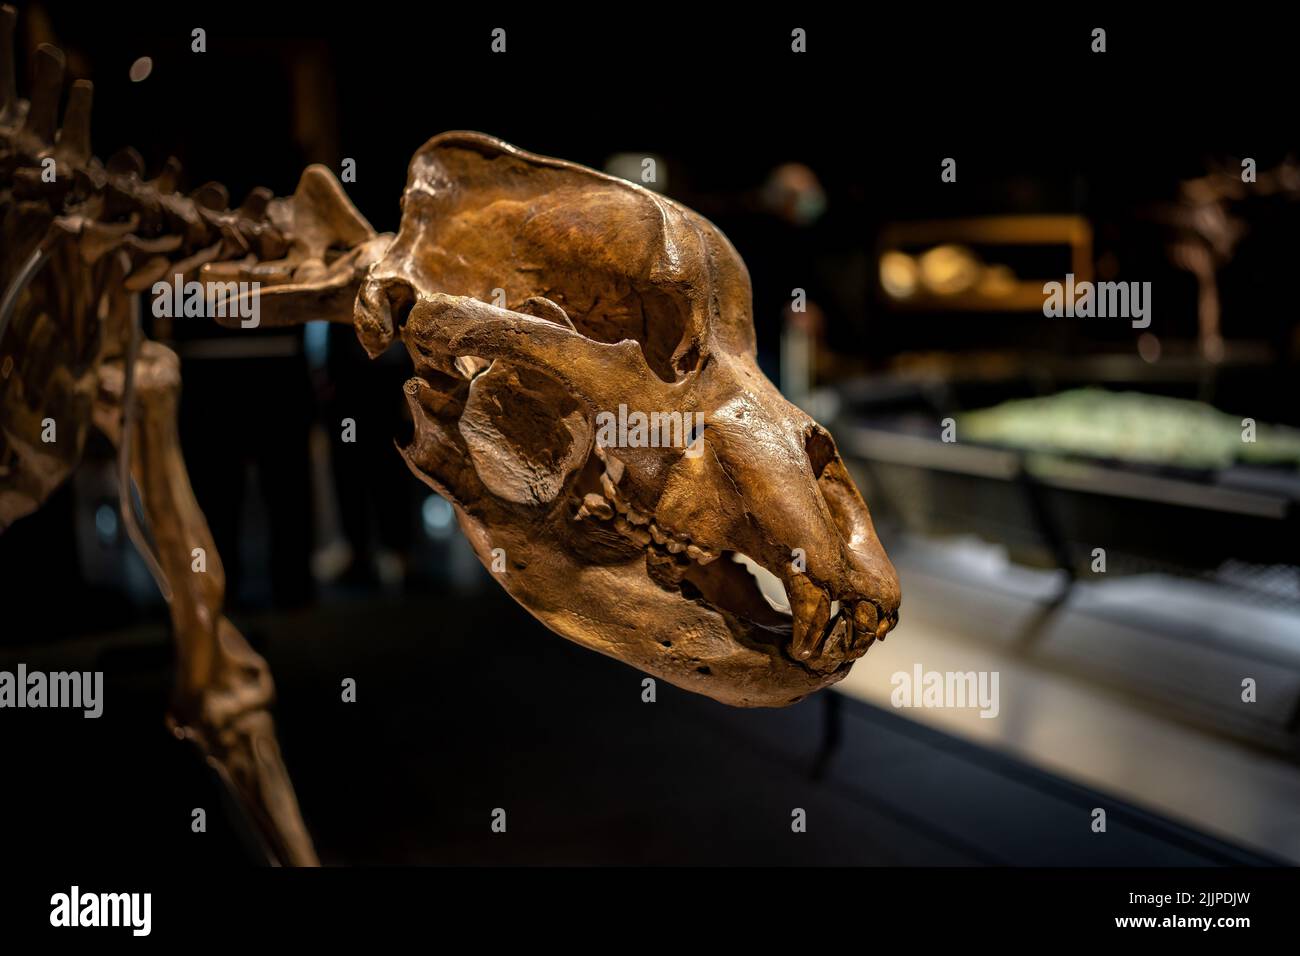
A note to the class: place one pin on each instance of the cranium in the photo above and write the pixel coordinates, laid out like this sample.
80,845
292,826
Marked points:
534,295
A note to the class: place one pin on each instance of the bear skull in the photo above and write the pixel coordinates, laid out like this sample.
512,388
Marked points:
718,542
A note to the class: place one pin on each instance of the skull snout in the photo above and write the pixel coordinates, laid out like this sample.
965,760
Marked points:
855,566
739,562
807,525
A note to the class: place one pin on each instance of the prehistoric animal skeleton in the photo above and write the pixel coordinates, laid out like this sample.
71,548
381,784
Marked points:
750,572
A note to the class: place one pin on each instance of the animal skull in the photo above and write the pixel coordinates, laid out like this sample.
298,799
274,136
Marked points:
744,567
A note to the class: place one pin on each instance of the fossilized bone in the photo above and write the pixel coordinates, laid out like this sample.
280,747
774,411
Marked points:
748,571
618,296
80,238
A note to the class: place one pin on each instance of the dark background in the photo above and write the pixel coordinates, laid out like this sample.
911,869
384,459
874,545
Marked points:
1037,123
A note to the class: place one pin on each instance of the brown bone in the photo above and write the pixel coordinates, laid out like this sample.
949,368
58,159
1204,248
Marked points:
614,296
536,297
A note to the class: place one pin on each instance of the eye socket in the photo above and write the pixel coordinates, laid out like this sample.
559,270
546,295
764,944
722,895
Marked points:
656,320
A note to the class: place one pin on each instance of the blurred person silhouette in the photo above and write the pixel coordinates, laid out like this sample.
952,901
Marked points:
376,491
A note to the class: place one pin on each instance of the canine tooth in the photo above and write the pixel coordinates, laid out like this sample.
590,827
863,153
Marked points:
835,608
614,468
883,628
812,610
598,506
607,486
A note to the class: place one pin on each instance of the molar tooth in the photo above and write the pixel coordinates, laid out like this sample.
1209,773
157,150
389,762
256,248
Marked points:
665,566
659,536
625,528
596,505
701,555
637,517
675,546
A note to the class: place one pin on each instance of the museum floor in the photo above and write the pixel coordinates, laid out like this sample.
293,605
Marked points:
465,705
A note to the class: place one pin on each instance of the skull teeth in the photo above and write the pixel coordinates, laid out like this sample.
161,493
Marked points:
594,504
700,555
811,608
624,527
614,468
635,525
827,632
864,618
